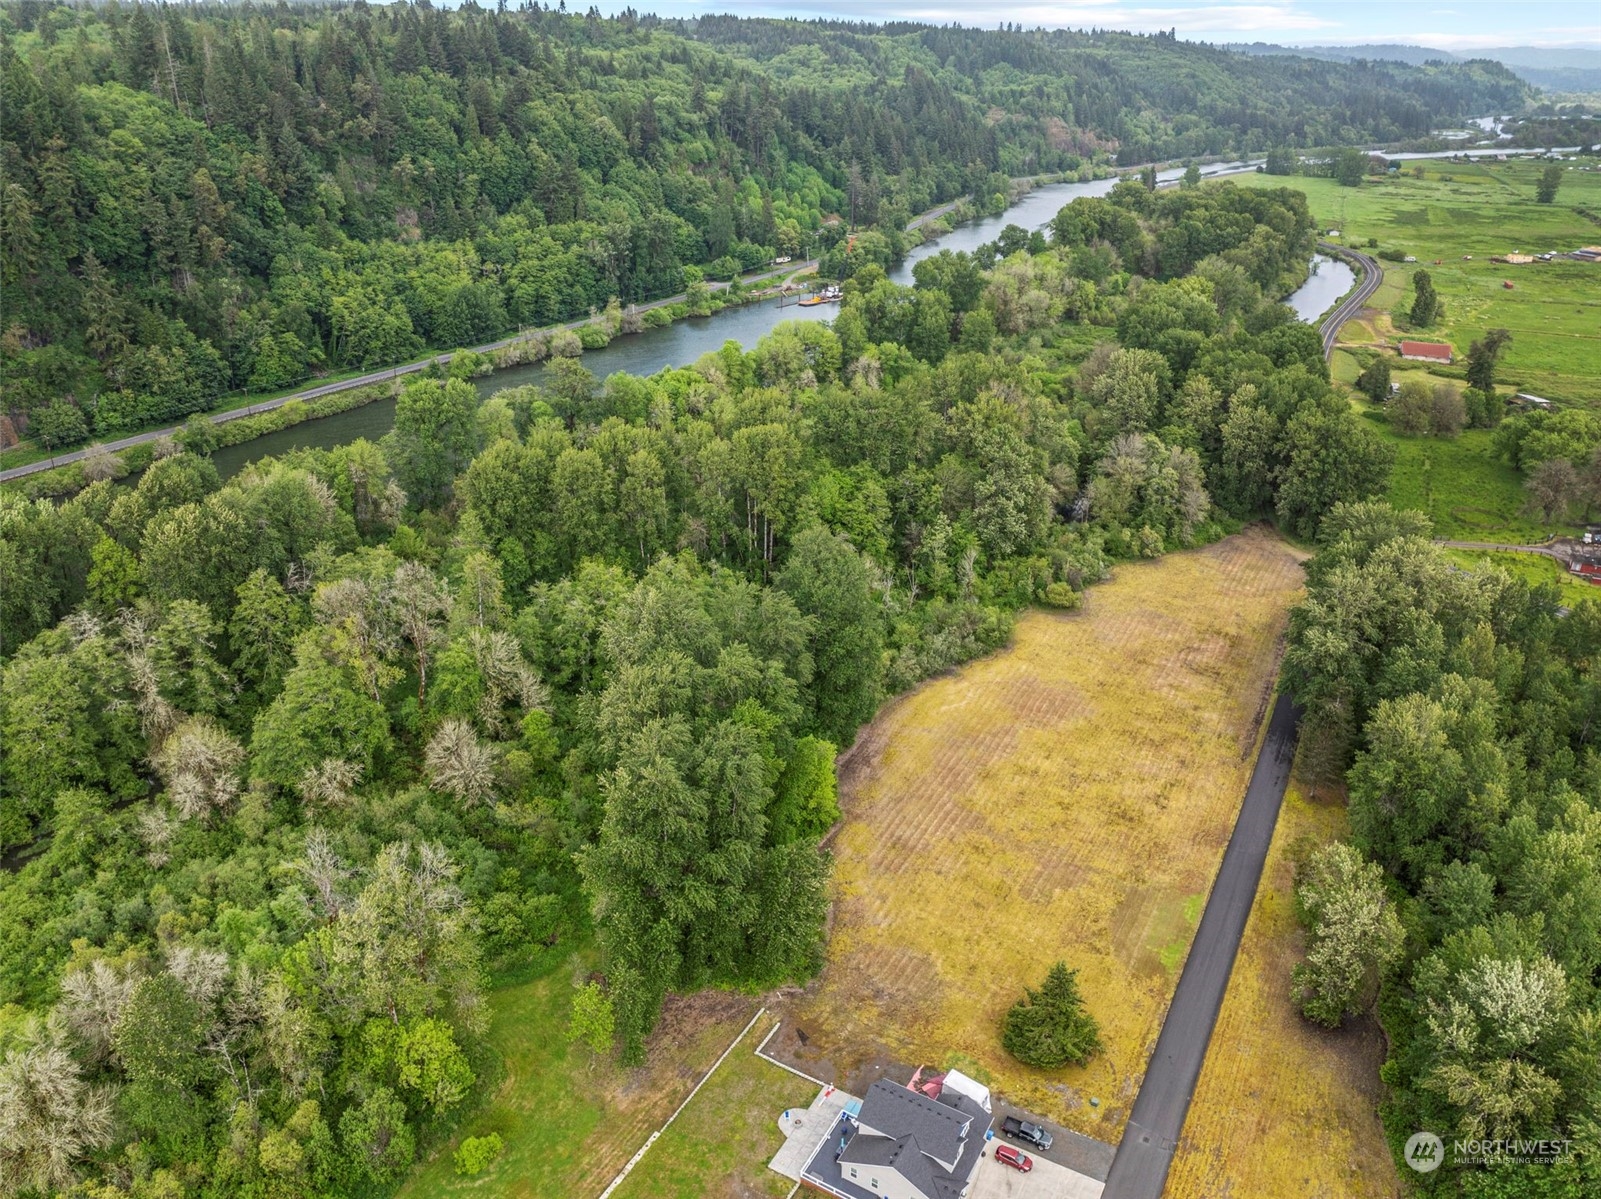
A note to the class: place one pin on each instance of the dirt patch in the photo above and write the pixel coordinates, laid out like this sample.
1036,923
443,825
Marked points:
690,1034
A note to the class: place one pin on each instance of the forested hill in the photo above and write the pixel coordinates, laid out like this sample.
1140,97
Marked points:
1142,98
215,197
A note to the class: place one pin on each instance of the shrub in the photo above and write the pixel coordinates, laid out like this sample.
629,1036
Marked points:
593,337
1374,381
1061,595
1049,1027
594,1019
475,1154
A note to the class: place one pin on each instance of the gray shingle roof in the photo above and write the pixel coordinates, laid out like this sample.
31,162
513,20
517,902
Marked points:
938,1128
918,1127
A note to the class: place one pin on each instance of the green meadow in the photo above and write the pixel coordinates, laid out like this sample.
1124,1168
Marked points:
1453,220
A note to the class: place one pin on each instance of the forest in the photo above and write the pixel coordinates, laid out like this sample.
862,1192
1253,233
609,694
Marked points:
1457,706
298,764
205,198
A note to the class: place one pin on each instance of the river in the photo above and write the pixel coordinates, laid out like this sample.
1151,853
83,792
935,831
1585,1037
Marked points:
682,342
1330,279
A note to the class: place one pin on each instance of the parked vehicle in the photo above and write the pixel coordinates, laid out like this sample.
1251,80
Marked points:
1022,1130
1014,1157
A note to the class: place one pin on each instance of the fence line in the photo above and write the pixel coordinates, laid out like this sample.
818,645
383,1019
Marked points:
784,1065
634,1161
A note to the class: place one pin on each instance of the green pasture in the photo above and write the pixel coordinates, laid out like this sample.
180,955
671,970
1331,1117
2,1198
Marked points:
1532,568
1469,493
1478,210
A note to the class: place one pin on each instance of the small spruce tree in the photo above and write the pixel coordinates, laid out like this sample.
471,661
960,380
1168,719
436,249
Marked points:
1050,1027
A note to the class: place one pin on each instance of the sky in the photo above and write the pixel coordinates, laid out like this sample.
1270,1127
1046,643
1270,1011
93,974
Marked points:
1443,24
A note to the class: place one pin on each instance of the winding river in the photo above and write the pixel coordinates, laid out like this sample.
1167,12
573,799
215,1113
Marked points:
682,342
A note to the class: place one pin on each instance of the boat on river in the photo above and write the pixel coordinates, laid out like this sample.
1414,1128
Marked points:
829,295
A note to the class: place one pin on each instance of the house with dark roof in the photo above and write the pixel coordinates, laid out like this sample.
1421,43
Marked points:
905,1142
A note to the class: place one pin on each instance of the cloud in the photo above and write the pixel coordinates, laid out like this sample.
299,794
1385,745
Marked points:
1568,37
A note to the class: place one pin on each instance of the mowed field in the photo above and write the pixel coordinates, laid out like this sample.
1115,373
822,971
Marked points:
1284,1110
1068,797
1480,209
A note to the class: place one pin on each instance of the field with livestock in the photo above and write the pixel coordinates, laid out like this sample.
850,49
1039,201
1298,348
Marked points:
1284,1109
1068,797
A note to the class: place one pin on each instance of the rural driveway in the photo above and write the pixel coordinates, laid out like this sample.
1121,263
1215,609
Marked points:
1068,1148
1046,1180
1139,1170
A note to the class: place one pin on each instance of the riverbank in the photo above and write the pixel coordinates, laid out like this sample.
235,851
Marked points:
248,420
1035,199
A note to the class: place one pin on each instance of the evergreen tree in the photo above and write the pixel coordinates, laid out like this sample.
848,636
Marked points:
1425,302
1483,355
1550,181
1049,1028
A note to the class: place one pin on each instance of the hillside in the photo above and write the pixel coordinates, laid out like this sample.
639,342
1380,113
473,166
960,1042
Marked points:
221,198
1561,70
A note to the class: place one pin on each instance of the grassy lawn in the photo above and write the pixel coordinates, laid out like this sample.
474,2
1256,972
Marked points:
1068,797
1553,309
1284,1109
727,1135
1532,568
571,1122
1469,493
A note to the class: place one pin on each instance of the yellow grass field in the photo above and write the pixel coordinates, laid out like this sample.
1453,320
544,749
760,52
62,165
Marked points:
1068,797
1284,1110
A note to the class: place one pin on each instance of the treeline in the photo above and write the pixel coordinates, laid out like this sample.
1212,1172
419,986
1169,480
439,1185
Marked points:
1460,707
220,197
291,765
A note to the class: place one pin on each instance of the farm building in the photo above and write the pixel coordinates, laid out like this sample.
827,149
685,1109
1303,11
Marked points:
1588,569
1525,400
920,1141
1587,254
1426,351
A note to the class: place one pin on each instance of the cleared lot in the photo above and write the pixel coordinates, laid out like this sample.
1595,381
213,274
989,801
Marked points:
1068,798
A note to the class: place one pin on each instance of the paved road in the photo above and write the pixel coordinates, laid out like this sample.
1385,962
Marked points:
1372,276
1140,1169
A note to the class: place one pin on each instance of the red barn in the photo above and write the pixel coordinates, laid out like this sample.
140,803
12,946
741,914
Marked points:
1426,351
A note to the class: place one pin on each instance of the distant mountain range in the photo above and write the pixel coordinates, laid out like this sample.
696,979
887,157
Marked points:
1553,70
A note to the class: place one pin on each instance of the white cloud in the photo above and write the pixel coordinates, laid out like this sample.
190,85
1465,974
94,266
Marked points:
1569,37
